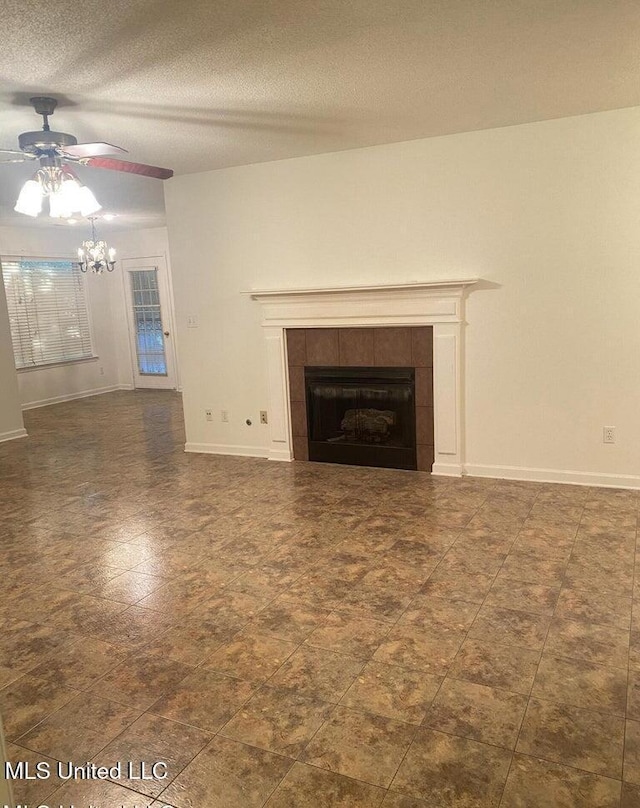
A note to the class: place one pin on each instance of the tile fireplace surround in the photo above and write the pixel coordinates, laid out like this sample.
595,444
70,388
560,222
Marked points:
362,347
438,304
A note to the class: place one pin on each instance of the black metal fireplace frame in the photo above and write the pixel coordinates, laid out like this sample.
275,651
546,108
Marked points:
359,454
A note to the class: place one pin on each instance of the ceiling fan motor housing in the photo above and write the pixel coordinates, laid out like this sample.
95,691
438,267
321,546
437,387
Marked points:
35,142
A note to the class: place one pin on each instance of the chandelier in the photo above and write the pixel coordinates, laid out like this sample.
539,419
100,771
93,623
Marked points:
95,255
61,187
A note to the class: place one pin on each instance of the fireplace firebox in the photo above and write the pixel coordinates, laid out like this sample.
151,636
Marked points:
363,416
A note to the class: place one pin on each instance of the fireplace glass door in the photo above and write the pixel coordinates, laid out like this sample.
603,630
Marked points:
362,416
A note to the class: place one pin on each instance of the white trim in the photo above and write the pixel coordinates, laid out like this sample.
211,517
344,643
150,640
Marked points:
224,449
447,469
13,434
58,364
98,391
258,294
599,479
434,303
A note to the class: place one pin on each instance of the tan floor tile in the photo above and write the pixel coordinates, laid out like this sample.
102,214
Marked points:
408,559
32,792
503,666
392,692
79,729
129,587
471,587
632,752
133,628
360,745
8,675
633,695
81,664
580,738
309,787
581,684
205,699
630,796
478,712
395,800
23,644
448,772
535,783
576,639
439,613
510,627
98,793
289,620
25,702
279,721
140,681
346,634
605,608
523,596
152,739
191,642
316,672
225,774
419,647
250,656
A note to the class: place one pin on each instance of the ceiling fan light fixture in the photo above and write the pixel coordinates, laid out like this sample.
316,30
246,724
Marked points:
88,203
66,194
30,198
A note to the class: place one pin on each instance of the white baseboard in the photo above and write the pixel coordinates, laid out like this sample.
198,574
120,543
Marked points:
447,469
98,391
223,449
13,434
281,455
599,479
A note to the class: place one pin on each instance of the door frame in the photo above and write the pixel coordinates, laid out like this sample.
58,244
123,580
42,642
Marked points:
159,263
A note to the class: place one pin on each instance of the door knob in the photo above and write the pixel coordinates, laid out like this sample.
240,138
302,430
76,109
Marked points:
166,333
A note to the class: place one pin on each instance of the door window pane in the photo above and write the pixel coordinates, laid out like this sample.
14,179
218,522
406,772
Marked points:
147,321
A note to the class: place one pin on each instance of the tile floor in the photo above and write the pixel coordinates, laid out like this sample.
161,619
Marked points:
305,635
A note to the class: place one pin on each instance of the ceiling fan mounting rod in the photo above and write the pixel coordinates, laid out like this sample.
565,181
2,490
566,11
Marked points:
45,106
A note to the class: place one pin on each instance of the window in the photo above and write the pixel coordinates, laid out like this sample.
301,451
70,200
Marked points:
47,312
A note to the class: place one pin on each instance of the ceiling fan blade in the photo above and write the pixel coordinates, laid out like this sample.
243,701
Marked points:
12,151
81,150
130,168
22,159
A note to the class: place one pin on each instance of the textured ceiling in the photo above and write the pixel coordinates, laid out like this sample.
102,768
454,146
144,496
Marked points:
201,84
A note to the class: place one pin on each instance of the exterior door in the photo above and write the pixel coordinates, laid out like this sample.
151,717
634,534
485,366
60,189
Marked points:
152,351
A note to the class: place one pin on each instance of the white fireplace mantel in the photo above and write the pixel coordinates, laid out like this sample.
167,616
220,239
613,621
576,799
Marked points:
436,303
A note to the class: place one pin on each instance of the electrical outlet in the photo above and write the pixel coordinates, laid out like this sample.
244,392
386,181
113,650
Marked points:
263,417
608,434
224,416
101,370
208,415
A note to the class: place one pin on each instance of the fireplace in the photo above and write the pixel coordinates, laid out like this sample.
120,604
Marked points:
363,416
305,327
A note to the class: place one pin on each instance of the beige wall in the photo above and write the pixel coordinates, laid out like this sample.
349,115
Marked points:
548,214
112,368
11,423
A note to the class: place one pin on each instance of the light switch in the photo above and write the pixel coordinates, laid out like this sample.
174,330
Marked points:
192,321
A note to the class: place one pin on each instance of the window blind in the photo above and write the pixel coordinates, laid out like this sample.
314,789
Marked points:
47,311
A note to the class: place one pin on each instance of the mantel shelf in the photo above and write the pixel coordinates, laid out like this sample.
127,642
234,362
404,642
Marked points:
422,286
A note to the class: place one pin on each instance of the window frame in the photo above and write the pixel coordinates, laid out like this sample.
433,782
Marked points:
6,258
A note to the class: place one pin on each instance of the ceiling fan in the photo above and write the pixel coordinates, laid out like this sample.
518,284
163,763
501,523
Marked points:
54,179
